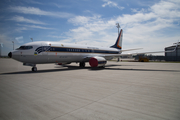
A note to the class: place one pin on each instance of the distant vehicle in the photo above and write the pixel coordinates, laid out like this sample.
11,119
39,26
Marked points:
41,52
143,59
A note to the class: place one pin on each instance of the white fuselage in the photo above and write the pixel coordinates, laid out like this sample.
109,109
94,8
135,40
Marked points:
55,52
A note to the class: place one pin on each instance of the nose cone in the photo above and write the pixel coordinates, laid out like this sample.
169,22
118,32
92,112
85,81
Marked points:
10,54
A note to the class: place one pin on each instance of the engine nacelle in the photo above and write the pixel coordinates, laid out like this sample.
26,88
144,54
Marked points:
97,61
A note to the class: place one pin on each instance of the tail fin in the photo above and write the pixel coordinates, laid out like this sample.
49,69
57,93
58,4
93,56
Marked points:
118,43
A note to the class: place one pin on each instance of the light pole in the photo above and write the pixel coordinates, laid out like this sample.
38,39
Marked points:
1,45
13,44
118,26
32,39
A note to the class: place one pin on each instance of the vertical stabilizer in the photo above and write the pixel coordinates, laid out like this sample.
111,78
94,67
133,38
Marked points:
118,43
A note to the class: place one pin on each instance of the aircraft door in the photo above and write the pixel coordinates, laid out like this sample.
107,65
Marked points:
92,50
44,49
44,52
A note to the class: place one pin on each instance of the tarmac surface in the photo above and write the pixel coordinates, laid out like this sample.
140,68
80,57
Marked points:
121,91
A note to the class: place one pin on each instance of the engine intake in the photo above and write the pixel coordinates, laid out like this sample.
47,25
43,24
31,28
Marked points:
10,54
97,61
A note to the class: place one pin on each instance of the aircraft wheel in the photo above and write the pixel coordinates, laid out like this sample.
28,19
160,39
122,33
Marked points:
82,64
34,69
102,67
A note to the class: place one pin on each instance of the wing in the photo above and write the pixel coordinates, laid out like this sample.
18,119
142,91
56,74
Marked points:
130,54
131,49
110,56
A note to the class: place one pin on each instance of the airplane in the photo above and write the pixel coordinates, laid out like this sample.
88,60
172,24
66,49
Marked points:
43,52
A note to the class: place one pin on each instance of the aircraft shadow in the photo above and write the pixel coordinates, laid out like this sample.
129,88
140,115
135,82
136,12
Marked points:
108,67
132,69
70,68
41,71
61,68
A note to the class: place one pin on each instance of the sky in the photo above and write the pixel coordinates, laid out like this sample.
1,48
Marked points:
148,24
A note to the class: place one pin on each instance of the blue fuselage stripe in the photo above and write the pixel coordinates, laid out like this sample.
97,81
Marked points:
80,50
73,50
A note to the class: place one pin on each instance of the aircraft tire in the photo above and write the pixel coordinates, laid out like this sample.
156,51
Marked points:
102,67
82,64
34,69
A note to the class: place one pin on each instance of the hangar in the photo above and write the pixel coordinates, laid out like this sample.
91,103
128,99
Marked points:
173,56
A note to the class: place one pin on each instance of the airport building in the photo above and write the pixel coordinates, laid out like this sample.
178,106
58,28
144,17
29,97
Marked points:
173,56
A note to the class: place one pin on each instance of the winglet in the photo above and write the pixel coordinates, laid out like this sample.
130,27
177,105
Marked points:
118,43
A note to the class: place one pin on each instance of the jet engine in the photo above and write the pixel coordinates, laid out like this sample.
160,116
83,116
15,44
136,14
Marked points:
97,62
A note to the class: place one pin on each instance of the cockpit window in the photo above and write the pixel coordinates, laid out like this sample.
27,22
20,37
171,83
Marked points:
24,47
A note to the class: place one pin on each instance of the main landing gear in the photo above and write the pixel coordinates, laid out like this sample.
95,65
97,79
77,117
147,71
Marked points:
82,64
34,69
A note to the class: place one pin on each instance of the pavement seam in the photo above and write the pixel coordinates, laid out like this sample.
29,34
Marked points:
132,110
91,103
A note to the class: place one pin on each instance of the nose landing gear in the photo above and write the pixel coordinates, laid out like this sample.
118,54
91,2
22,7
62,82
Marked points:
34,68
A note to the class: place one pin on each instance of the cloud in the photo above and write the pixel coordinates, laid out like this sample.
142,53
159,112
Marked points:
37,11
91,30
83,20
33,2
7,44
19,39
111,4
147,27
136,10
34,26
166,9
22,27
60,6
151,26
22,19
57,36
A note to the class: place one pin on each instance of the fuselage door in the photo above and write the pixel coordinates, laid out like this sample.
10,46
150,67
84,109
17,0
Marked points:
44,55
44,49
